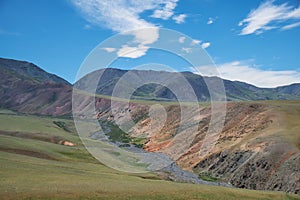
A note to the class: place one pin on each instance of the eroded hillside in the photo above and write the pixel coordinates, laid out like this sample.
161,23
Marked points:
258,147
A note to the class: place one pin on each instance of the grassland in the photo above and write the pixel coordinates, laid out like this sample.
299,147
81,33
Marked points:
35,168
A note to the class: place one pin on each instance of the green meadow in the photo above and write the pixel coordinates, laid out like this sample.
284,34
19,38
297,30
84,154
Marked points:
35,167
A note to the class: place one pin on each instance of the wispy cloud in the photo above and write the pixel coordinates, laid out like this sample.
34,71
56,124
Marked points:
124,15
87,26
109,49
115,15
270,16
205,45
290,26
181,39
4,32
132,52
195,42
166,11
143,38
245,72
187,50
179,19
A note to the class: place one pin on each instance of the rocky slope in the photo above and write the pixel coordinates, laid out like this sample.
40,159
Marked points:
26,88
258,147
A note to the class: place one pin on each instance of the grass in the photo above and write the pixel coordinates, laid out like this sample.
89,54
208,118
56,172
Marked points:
74,174
208,177
36,124
290,112
142,101
5,111
117,135
62,125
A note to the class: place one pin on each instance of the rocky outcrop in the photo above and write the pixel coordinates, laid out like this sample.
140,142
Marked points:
257,148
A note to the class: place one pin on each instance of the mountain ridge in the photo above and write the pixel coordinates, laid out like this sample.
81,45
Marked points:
27,88
258,147
29,69
235,90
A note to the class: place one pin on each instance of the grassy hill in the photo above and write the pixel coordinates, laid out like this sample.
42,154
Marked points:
34,165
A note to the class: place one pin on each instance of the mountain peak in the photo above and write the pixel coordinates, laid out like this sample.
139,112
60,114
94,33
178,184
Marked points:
30,70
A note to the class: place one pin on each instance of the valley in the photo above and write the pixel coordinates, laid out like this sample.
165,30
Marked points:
253,152
258,147
65,172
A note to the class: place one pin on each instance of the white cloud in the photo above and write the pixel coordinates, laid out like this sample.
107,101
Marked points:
181,39
290,26
269,16
210,21
145,36
124,15
205,45
239,71
195,42
187,50
179,19
166,11
115,15
109,49
162,14
132,52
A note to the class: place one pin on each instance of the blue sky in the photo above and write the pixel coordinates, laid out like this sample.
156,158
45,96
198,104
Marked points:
251,40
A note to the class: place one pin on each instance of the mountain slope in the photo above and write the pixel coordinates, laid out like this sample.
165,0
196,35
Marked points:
30,70
234,90
293,89
258,148
28,89
35,168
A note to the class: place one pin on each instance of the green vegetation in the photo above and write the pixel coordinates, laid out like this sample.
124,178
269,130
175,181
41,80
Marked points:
117,135
139,117
62,125
206,176
139,142
142,101
36,169
5,111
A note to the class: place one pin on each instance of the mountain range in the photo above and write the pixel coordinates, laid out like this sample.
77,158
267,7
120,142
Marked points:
258,147
27,88
235,90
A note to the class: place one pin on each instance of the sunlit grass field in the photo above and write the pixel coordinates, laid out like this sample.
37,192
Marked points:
32,167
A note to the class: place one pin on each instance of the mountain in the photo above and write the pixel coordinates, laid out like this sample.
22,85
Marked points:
293,89
258,147
30,70
29,89
234,90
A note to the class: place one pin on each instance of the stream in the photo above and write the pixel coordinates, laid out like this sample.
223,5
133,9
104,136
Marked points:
159,163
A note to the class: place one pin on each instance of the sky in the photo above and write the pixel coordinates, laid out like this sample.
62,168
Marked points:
253,41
